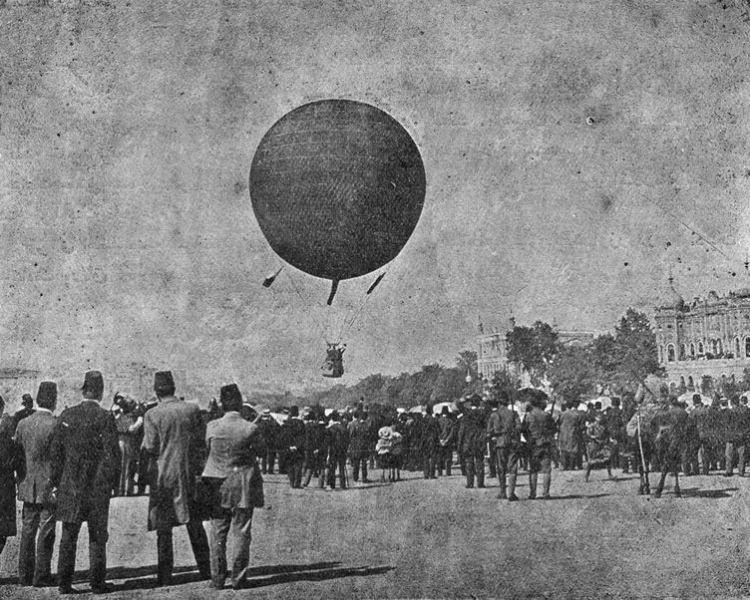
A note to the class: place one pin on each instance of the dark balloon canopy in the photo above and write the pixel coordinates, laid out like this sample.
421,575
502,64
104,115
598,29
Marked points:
337,187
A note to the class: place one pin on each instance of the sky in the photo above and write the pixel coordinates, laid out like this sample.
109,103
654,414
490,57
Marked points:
569,147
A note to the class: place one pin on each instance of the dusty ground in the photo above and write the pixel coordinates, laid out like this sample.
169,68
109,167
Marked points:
434,538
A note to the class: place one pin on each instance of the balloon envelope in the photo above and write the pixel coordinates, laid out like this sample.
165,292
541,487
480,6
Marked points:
337,187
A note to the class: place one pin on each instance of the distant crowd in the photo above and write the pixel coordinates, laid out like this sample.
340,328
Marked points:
200,465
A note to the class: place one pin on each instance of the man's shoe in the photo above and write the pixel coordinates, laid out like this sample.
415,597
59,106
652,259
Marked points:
239,584
68,590
512,498
217,585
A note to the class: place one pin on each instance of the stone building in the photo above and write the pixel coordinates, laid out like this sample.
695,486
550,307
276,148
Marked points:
705,337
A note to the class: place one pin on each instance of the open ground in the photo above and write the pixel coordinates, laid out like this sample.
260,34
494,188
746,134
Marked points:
436,539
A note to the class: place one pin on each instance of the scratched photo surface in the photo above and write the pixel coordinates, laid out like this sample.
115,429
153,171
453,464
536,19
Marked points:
576,155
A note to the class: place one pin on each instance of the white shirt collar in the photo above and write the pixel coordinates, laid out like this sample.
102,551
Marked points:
40,409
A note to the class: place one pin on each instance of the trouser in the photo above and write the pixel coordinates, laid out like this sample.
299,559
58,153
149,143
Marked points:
730,450
540,461
360,459
237,522
492,462
444,460
690,460
334,463
428,464
267,461
144,461
165,555
314,466
37,541
97,525
474,468
507,465
705,457
294,462
614,457
127,462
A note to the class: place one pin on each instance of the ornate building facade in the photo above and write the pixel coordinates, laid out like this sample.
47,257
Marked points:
706,337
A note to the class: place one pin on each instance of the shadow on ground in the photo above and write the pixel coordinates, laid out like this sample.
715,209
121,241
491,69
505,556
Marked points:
256,576
698,493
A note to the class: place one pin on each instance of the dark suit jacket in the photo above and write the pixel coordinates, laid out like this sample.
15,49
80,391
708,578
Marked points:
85,461
34,436
11,466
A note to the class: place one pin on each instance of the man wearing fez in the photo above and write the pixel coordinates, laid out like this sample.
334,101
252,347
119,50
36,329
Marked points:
85,470
233,477
173,437
34,436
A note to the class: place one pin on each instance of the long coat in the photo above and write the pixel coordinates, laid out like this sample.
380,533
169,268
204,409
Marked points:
85,461
173,433
11,464
34,435
472,433
571,431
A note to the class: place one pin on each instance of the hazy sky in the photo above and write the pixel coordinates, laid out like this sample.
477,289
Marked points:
560,140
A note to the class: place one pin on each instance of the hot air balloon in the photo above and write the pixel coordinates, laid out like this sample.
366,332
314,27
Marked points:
337,187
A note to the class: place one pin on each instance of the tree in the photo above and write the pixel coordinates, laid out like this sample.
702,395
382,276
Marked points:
573,374
605,358
466,361
534,348
635,344
504,384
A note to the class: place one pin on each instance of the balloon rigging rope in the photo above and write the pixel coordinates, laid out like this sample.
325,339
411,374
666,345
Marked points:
306,302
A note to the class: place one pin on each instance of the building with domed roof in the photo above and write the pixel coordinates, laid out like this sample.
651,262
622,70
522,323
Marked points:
704,337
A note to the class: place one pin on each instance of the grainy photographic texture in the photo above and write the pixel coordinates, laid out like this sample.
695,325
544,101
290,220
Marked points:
563,161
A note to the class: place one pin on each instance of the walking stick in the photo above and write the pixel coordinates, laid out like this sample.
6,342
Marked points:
640,441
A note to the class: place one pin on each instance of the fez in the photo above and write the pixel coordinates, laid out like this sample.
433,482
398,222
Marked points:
230,395
163,382
93,384
47,394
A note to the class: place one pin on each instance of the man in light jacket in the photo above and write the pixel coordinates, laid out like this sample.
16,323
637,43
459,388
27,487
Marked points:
233,476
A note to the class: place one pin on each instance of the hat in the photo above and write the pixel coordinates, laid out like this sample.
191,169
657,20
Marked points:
266,411
164,382
93,384
47,394
27,399
230,394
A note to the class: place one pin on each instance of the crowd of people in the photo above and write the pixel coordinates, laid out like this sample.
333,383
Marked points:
66,469
200,465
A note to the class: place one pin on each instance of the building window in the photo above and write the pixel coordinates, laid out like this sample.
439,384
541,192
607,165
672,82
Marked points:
747,347
700,347
736,347
692,350
683,352
690,383
719,347
670,353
